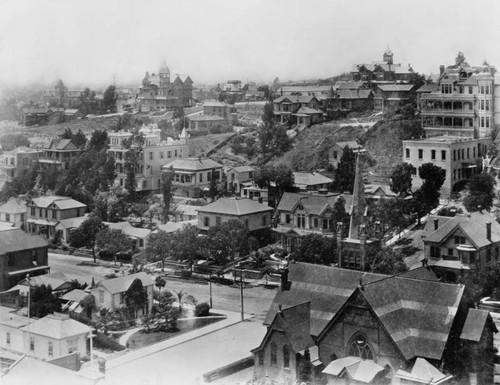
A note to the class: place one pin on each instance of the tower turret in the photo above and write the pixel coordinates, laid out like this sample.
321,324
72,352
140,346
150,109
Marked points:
388,56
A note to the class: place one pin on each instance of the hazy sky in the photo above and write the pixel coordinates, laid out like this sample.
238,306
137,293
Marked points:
90,41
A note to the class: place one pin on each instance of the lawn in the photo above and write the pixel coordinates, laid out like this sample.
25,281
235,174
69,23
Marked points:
140,339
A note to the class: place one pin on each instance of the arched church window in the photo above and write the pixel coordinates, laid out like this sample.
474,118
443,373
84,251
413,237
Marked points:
274,354
286,356
359,347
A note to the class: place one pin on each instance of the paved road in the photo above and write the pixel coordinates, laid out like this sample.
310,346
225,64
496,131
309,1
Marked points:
256,299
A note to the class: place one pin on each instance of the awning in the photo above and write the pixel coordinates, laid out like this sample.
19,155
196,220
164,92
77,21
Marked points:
183,172
42,222
25,271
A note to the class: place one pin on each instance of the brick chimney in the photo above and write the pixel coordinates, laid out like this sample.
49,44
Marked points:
285,285
436,224
488,231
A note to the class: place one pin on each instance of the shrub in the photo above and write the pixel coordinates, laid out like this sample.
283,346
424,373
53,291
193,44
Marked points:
202,310
102,341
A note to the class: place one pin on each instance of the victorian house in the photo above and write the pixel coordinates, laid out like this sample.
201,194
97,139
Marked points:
57,156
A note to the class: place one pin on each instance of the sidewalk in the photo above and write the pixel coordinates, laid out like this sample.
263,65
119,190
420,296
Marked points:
232,318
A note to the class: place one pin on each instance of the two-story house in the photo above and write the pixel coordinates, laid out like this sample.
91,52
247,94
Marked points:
58,155
153,154
191,176
214,114
14,211
307,213
110,293
462,103
18,162
251,190
44,213
21,254
238,175
392,95
47,338
254,215
287,106
460,245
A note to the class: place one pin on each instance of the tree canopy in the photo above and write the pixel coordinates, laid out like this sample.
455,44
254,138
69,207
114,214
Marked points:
345,171
43,301
109,99
315,248
86,234
427,196
277,179
11,141
481,192
401,179
225,240
136,297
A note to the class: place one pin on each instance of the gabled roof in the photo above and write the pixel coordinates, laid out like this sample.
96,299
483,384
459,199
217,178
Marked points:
473,226
57,326
57,281
422,273
313,203
354,94
348,85
423,372
215,103
76,295
295,99
308,111
309,179
60,202
396,87
327,288
295,323
242,169
352,144
475,323
72,223
16,239
14,206
361,371
417,315
235,206
121,284
192,164
136,232
428,87
61,144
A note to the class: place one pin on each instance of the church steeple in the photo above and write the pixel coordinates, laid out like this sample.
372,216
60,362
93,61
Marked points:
358,201
388,56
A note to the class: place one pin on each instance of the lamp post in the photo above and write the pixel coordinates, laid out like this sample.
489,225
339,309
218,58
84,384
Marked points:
241,294
29,307
210,283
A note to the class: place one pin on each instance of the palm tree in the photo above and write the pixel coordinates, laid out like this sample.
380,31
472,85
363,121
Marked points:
160,282
183,299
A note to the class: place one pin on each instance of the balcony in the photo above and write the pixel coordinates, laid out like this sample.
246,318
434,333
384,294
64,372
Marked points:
283,228
450,113
454,96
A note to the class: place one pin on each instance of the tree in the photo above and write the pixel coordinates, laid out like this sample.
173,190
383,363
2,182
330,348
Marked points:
43,301
136,297
276,179
401,179
79,139
391,214
387,261
212,192
86,234
315,248
109,99
346,171
164,314
340,215
427,196
273,140
104,319
113,242
184,299
481,192
226,240
185,244
11,141
158,246
160,282
98,140
89,305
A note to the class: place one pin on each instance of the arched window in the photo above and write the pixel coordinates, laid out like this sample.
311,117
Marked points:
286,356
359,347
274,354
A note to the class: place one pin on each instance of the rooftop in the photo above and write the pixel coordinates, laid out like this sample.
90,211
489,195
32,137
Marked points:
234,206
309,179
192,164
121,284
14,206
16,240
57,326
60,202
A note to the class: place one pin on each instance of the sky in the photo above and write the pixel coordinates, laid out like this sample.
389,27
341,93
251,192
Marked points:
96,42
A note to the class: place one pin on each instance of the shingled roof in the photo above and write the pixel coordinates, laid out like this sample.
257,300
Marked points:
314,204
234,206
121,284
475,323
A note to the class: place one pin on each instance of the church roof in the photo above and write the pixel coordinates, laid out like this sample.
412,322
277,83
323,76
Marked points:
164,68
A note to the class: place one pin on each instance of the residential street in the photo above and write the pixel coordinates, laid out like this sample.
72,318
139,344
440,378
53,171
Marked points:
256,299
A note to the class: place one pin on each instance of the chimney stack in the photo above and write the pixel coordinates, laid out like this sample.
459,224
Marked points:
441,69
285,285
436,224
488,231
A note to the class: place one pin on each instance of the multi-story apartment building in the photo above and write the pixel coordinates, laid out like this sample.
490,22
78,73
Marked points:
153,154
18,162
191,176
58,155
460,157
158,93
462,104
44,213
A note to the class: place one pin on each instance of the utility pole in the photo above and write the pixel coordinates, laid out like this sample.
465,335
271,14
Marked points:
241,294
210,283
29,306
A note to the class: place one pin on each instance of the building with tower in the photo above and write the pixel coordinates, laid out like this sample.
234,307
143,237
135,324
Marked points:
382,71
158,93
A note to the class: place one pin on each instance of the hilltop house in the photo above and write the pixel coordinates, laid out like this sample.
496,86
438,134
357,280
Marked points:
460,245
21,254
392,95
254,215
337,326
304,107
382,71
310,181
45,213
18,162
110,293
192,176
